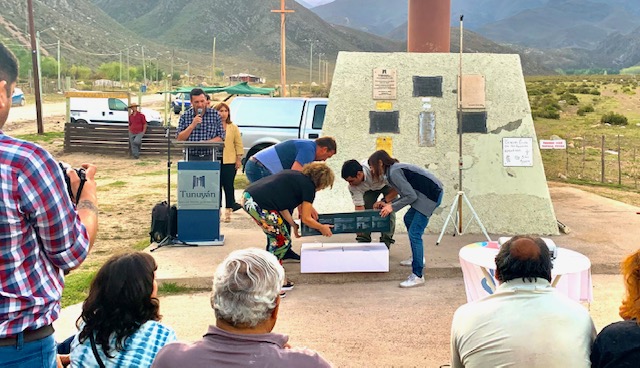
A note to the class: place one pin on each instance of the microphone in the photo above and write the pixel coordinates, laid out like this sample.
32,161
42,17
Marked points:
199,112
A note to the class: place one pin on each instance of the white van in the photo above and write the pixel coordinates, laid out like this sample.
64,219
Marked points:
108,111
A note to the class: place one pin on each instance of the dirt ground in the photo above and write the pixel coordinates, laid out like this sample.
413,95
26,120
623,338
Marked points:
127,188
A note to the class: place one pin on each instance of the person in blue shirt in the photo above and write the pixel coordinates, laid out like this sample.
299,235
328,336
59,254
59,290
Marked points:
291,154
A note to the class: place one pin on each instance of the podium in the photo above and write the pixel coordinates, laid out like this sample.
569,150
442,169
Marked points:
199,196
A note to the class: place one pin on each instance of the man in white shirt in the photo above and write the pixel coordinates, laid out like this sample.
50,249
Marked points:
365,192
526,322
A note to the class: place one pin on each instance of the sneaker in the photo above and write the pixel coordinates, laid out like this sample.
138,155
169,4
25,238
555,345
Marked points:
283,295
412,281
288,286
408,262
291,255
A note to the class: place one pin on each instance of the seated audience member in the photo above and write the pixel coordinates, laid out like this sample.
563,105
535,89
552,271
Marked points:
246,300
526,322
119,322
618,345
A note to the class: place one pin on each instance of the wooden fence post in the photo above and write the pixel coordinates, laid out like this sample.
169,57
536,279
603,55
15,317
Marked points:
619,165
635,169
602,160
584,144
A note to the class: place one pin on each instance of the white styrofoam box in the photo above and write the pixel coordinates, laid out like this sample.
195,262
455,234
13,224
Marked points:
344,257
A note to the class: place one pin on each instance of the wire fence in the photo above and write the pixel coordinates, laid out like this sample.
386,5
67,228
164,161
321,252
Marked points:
605,159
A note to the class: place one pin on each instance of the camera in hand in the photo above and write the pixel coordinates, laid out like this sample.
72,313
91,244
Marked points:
82,174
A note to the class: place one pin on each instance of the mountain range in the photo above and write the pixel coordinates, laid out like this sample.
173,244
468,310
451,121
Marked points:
568,33
247,33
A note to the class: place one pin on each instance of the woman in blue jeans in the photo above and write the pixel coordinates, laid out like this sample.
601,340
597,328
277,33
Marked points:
417,188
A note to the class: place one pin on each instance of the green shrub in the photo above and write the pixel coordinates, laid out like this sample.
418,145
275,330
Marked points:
569,98
585,109
614,119
594,92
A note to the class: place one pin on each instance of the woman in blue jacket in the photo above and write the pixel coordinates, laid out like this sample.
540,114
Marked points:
417,188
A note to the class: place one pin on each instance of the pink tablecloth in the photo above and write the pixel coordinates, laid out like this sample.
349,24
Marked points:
573,268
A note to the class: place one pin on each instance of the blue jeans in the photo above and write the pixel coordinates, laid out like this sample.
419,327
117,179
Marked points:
416,222
255,171
34,354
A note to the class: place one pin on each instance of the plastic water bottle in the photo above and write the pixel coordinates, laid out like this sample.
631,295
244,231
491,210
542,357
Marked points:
427,121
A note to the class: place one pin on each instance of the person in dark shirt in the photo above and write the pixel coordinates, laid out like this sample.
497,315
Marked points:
421,191
269,200
618,345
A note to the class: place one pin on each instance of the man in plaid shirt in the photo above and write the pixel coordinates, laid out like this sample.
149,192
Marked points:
42,235
200,124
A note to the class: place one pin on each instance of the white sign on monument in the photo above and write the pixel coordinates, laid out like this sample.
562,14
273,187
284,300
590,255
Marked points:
385,84
517,152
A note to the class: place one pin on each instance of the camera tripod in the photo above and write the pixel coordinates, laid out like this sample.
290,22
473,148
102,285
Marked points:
460,196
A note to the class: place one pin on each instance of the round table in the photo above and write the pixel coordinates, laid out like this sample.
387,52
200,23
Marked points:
571,273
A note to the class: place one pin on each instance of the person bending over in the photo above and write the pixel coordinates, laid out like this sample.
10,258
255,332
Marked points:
419,189
269,199
365,192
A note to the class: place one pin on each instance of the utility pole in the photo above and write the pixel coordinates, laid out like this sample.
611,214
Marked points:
120,68
310,65
213,62
144,68
326,72
283,47
34,61
59,83
128,76
320,68
38,58
171,77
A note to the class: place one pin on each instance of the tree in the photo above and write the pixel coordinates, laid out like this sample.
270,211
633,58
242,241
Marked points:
49,67
109,70
80,72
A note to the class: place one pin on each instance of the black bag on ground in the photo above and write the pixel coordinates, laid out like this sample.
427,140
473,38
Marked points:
161,216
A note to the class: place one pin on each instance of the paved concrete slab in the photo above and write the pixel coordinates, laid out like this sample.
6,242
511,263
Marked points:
366,320
602,229
363,324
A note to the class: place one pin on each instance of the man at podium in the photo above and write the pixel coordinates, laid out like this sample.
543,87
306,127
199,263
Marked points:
201,123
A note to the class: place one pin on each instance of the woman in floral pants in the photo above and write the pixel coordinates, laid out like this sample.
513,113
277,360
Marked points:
271,200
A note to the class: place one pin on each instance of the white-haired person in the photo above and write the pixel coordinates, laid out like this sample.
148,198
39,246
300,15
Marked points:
246,300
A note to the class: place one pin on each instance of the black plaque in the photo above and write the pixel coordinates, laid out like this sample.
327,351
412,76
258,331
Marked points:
384,122
427,86
351,222
474,122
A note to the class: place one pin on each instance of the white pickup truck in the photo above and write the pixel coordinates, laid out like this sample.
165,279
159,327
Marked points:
265,121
